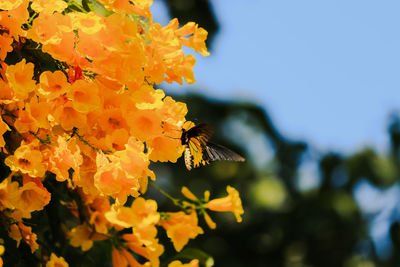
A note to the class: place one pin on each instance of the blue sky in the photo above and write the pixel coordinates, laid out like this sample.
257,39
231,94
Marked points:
326,71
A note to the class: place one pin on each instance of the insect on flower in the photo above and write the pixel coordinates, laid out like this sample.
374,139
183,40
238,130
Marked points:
199,151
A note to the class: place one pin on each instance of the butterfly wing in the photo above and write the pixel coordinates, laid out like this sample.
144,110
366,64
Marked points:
194,154
199,151
201,132
214,152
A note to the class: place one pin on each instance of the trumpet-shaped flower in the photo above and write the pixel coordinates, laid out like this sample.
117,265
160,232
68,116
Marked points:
84,96
81,237
44,6
3,128
26,159
55,261
230,203
20,79
20,231
193,263
32,196
65,156
181,227
151,253
53,84
8,190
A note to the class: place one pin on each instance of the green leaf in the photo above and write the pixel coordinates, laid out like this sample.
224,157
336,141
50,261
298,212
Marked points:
88,5
193,253
99,8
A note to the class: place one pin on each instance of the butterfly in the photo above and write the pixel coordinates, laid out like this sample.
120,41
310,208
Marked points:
199,151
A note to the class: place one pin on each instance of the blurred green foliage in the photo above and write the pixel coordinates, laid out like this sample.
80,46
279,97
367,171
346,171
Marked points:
284,224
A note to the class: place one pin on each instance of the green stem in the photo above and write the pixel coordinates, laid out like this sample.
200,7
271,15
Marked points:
32,18
174,200
80,137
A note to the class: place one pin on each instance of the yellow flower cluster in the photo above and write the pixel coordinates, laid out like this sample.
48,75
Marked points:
96,121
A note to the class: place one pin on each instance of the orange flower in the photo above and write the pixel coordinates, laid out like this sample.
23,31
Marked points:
117,139
20,14
3,128
111,180
112,119
141,213
26,160
122,258
140,7
5,45
142,216
119,175
97,207
181,227
133,159
145,124
165,148
10,4
8,190
2,249
68,117
89,23
64,50
52,84
148,98
211,224
174,111
151,253
193,263
45,6
197,40
231,203
20,78
33,117
81,237
20,231
84,96
64,157
6,93
32,196
11,21
188,194
56,261
48,28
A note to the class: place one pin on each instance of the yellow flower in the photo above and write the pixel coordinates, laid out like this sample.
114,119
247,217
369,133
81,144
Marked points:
181,227
10,4
209,221
53,84
46,6
80,237
20,78
3,128
188,194
142,216
122,258
65,156
151,253
84,96
20,231
165,148
89,23
8,190
56,261
193,263
31,196
26,160
231,203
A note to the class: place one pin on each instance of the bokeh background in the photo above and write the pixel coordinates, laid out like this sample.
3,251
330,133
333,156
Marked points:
308,92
